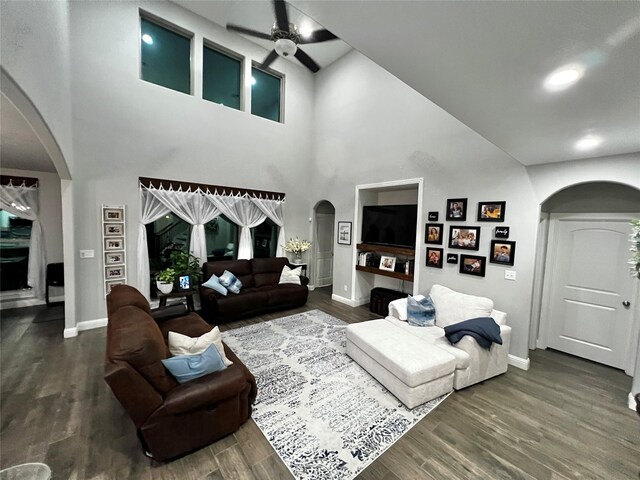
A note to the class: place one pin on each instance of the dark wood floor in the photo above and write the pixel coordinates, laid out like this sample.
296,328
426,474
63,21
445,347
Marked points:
564,418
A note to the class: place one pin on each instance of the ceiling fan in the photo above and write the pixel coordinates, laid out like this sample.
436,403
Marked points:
287,38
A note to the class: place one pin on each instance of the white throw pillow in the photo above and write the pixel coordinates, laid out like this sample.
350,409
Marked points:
289,275
398,308
454,307
183,345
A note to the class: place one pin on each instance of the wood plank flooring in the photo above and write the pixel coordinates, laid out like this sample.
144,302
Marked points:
565,418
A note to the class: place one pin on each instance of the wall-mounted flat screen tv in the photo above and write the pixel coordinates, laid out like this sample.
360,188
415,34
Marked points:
393,225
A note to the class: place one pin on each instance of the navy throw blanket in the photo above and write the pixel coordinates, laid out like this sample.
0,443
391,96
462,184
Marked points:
484,329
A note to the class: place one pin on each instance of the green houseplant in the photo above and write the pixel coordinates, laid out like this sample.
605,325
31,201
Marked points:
183,263
164,280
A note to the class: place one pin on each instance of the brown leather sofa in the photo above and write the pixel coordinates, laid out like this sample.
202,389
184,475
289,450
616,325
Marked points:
260,291
171,418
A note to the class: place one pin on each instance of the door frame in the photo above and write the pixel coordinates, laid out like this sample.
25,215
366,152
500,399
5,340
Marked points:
311,267
547,285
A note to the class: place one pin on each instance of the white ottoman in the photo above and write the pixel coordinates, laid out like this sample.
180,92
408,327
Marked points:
410,369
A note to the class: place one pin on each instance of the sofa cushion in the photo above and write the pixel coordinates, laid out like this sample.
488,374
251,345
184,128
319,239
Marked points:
290,275
214,284
286,294
180,344
230,282
190,367
240,268
266,271
249,299
453,307
126,295
421,313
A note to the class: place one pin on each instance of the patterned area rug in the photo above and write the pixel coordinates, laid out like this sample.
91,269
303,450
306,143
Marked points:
325,416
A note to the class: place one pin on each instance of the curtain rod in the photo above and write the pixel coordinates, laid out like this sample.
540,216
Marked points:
175,184
18,181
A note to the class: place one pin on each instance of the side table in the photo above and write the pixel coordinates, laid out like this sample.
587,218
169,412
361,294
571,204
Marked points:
303,265
187,294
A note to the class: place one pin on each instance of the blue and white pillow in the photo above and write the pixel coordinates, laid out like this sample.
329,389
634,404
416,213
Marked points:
421,313
189,367
229,280
214,284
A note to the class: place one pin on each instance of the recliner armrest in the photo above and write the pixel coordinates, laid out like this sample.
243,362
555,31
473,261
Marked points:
206,390
304,280
163,314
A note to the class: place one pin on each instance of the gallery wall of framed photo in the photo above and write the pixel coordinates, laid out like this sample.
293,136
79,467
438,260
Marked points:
113,246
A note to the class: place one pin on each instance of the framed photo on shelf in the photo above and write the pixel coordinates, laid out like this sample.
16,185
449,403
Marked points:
465,238
491,211
501,232
114,243
344,233
457,209
473,265
113,229
387,263
112,283
113,215
452,258
114,273
434,257
433,233
113,258
503,252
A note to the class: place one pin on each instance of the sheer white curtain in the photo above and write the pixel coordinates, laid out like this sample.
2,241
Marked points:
274,211
244,213
151,210
23,202
193,208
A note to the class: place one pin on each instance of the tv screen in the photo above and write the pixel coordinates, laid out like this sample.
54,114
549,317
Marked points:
393,225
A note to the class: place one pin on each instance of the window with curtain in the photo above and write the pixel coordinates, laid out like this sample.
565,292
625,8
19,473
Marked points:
222,239
167,234
265,239
221,77
266,95
15,238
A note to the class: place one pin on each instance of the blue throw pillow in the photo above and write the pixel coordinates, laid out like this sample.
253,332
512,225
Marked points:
421,313
214,284
230,281
188,367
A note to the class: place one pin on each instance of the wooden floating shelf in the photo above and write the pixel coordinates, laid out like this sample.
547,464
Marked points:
368,247
386,273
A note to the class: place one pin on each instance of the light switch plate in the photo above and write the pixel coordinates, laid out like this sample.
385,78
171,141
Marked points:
510,274
87,254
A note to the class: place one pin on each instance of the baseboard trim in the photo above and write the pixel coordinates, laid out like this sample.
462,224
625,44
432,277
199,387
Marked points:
346,301
311,288
27,302
91,324
632,401
519,362
70,332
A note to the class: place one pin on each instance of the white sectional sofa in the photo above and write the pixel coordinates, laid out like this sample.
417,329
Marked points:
418,364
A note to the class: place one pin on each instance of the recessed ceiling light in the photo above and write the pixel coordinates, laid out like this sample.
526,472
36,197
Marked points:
563,77
253,80
305,30
148,39
588,142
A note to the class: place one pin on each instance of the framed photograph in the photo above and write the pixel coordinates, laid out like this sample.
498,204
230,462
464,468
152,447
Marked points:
344,233
433,216
433,233
184,282
465,238
491,211
387,263
113,215
114,258
114,273
434,257
114,243
502,232
457,209
502,252
113,229
112,283
473,265
452,258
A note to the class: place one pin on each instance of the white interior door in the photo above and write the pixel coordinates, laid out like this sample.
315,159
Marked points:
590,285
324,249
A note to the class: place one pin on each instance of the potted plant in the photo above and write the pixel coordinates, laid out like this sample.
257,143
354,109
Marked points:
183,263
297,247
164,280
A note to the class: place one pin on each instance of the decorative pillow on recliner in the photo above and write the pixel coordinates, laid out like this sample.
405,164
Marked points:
453,307
189,367
229,280
290,275
183,345
214,284
420,312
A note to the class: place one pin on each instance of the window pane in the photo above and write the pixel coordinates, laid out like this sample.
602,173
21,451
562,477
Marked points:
265,239
164,236
222,239
15,236
221,78
165,57
265,95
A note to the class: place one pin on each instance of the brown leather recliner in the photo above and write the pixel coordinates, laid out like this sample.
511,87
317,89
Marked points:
171,418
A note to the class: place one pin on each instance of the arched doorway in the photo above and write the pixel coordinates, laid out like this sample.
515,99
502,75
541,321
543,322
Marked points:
585,299
324,221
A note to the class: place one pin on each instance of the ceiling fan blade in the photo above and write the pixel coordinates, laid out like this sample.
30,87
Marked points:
270,58
307,61
319,36
248,31
282,18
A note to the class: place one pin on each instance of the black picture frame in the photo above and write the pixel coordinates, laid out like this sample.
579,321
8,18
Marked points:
464,238
501,232
433,216
502,252
473,265
434,257
344,233
491,211
436,238
456,209
452,258
184,283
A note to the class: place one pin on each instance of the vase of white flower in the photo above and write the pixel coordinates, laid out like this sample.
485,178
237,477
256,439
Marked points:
297,247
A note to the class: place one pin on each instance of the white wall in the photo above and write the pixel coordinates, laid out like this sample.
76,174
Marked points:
370,127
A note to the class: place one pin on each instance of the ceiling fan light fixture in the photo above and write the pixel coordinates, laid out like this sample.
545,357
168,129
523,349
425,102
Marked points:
285,47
